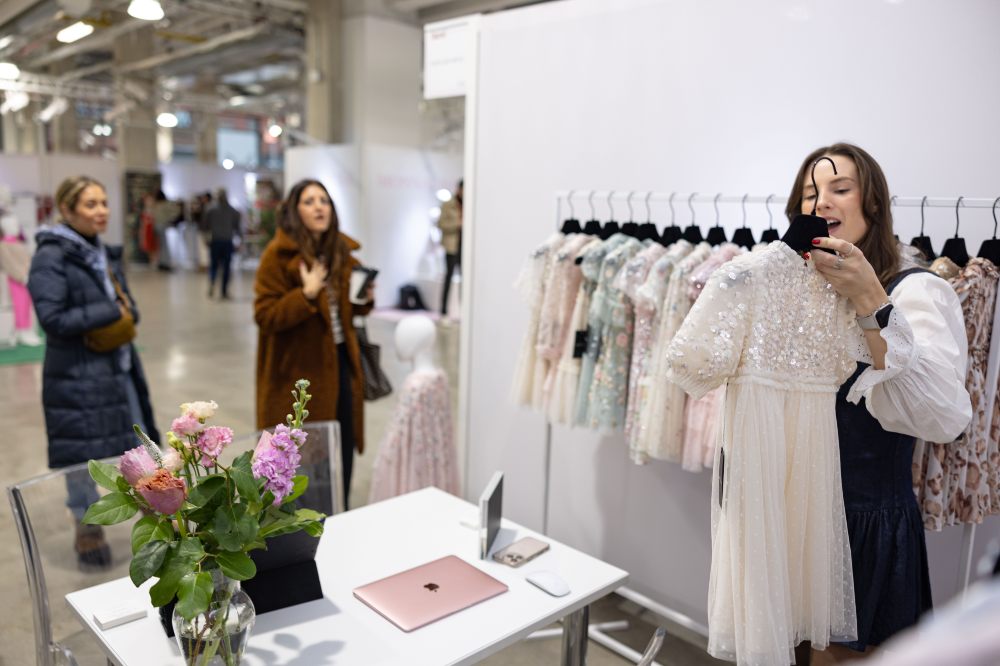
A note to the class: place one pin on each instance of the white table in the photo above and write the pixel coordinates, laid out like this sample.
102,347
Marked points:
366,544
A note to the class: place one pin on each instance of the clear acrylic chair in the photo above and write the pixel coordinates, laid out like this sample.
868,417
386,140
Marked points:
47,532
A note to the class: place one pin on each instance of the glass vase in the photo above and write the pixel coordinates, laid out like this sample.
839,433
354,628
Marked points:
218,636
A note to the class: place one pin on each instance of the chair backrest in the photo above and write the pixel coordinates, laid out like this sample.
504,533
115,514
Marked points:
47,531
321,462
653,649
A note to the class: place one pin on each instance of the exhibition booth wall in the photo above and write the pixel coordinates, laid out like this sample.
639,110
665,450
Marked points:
687,96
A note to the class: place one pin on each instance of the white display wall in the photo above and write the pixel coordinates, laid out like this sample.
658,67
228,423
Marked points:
183,179
692,96
41,175
383,195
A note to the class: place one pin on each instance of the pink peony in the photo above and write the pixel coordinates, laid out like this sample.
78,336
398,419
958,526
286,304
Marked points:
136,464
164,491
212,442
187,425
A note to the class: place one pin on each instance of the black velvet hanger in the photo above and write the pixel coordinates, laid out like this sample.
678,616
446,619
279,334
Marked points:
672,233
922,242
954,248
647,231
692,233
990,249
716,235
804,228
610,228
593,225
743,236
631,229
770,234
570,225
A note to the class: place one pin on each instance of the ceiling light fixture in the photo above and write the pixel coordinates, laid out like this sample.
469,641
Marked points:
228,164
57,106
146,10
274,130
443,195
166,119
237,100
6,41
14,101
9,70
74,33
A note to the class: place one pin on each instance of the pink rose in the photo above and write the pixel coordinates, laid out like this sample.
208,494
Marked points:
187,425
164,491
136,464
212,442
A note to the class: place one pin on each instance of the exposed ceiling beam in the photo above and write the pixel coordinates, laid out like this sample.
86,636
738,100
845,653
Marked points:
204,47
299,6
83,72
100,39
411,5
40,84
439,11
11,9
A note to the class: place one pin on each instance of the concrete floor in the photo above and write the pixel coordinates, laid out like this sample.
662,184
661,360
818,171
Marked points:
193,348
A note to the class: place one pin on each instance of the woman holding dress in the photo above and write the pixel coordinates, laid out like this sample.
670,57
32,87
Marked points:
911,385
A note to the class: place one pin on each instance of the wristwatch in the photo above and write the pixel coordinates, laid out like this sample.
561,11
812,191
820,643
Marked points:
878,319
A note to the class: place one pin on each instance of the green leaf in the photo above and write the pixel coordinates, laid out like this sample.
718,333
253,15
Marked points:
309,514
110,509
272,526
151,528
104,475
299,485
182,559
147,561
123,485
233,527
207,491
193,594
237,566
164,591
242,475
313,529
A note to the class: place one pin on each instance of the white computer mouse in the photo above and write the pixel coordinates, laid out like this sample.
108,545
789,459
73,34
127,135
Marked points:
549,582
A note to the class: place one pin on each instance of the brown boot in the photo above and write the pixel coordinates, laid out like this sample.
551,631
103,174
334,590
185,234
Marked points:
91,548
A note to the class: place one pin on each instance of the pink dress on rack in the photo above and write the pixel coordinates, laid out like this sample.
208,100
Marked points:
15,260
702,416
418,449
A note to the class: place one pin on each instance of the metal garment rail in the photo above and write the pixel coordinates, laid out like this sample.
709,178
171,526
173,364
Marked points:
645,196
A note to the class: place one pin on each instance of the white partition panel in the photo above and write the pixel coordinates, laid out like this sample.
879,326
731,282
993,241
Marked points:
687,95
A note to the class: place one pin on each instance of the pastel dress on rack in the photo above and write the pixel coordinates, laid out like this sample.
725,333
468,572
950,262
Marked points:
564,279
993,421
15,260
609,388
531,283
418,448
561,386
703,416
594,272
769,327
952,480
662,420
648,308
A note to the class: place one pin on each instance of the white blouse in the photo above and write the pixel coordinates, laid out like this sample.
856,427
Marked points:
921,392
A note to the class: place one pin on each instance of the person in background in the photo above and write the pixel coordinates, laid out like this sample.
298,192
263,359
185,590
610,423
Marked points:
305,319
90,398
450,223
223,223
165,213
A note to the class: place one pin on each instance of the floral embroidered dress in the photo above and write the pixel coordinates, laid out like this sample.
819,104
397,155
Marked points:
562,384
557,304
703,416
952,481
662,422
531,282
648,308
594,271
770,327
609,389
418,449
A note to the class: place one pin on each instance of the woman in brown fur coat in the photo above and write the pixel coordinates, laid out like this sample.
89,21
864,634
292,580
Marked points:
304,318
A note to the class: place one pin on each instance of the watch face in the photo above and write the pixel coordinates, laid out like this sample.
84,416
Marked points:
882,316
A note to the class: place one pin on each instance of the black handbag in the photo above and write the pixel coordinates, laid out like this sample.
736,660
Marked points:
376,384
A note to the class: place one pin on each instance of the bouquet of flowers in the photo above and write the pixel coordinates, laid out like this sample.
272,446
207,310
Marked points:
201,517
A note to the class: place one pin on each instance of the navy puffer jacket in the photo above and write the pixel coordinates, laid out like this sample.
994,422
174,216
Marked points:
86,407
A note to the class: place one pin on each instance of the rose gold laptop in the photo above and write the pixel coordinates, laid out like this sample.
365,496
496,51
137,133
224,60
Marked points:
425,594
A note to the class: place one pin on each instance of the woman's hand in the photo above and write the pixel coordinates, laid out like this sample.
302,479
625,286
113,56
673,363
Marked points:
313,278
370,293
849,273
124,309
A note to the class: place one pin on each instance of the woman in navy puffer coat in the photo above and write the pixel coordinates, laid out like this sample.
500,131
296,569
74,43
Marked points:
90,399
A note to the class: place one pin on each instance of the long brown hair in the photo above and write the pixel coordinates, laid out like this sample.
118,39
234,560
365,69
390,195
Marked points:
69,192
329,246
879,245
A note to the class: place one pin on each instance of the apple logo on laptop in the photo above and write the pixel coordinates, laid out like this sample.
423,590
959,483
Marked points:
433,587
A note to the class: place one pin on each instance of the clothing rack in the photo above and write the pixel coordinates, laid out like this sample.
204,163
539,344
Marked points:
642,198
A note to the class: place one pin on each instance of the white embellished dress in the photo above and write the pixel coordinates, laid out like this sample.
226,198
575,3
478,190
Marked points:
770,327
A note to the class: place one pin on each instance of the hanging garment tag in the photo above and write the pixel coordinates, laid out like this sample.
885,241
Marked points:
580,344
